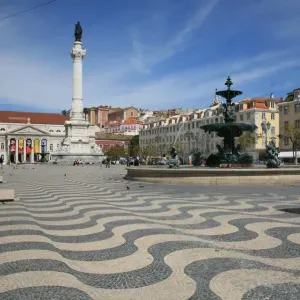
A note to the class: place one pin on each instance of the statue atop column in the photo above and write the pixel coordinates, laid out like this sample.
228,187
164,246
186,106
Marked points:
78,32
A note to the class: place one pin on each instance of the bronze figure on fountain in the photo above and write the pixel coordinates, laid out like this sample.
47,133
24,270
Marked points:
174,161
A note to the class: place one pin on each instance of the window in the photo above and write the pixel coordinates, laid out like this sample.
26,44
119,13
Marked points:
2,146
297,123
51,147
241,106
50,130
242,117
286,124
58,130
286,141
57,146
286,110
248,116
272,116
131,114
263,116
297,108
272,104
273,130
193,125
2,129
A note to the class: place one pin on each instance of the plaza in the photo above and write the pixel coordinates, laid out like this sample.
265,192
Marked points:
87,233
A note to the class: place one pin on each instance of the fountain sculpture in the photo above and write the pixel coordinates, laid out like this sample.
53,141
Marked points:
272,153
174,161
228,153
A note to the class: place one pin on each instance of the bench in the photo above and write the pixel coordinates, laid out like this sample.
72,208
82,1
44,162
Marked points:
7,195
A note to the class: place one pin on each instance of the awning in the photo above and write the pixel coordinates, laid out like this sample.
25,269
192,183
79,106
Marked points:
286,154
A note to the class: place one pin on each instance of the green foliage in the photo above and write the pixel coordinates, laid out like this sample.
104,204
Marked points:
64,112
292,133
245,159
116,152
247,139
134,147
197,157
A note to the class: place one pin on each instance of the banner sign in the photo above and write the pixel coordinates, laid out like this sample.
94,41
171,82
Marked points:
12,146
36,146
28,146
44,145
20,146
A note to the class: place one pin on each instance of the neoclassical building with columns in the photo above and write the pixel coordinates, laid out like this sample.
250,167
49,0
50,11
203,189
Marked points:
25,135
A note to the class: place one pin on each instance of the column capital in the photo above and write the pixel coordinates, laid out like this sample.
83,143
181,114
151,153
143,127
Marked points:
77,53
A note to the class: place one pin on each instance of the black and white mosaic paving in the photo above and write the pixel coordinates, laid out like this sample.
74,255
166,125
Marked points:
85,233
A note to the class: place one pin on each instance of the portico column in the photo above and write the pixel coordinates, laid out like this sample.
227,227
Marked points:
32,151
17,151
24,151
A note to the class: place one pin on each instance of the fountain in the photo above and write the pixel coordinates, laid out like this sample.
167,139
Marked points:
229,154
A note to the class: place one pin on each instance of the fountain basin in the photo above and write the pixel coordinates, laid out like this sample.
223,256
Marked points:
234,129
216,176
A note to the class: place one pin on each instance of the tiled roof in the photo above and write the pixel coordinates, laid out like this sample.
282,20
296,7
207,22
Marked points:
35,118
131,120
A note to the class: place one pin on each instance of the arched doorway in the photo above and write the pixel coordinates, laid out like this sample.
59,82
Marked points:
28,150
12,150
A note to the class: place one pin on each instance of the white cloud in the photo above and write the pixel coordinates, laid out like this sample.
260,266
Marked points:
145,57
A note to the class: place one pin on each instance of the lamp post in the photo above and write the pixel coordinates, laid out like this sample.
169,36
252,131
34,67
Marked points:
157,140
197,138
188,136
265,126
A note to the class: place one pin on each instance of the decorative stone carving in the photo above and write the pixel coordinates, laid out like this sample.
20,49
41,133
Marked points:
78,53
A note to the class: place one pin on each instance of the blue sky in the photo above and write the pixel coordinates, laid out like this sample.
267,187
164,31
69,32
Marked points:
150,54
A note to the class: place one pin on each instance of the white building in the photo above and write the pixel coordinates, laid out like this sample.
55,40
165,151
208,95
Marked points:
24,135
184,131
130,126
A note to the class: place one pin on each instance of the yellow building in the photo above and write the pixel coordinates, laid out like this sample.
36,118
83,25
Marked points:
263,112
289,114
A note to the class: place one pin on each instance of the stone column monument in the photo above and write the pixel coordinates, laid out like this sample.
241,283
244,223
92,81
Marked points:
79,141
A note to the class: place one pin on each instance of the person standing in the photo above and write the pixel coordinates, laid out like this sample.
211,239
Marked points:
107,162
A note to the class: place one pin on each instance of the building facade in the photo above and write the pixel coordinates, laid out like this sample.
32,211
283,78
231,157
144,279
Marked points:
289,115
25,135
107,141
122,114
131,126
264,113
183,131
97,115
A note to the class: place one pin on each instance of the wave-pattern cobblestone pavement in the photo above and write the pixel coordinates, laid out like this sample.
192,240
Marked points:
80,233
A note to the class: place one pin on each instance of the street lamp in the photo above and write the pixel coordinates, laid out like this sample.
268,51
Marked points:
265,128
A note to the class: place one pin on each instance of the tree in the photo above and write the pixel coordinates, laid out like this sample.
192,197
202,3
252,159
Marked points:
292,133
64,112
247,139
134,146
116,152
